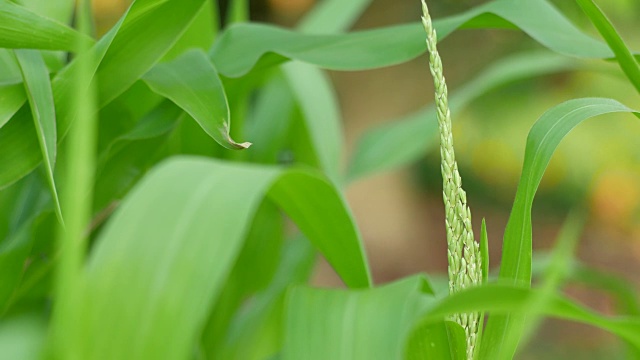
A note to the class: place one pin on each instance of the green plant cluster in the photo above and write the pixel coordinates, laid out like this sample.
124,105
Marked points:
137,222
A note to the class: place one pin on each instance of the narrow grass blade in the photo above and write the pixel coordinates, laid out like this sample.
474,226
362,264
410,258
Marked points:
192,83
542,141
406,140
626,60
363,324
22,28
319,106
38,89
178,233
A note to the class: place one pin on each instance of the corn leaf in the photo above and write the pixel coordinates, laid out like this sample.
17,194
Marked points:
362,324
515,267
625,59
38,88
192,83
23,29
242,46
319,106
160,261
12,97
139,40
503,298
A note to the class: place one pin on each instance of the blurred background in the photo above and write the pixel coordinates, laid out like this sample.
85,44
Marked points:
400,213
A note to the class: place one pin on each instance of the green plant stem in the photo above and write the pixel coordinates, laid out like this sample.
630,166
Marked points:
465,268
77,195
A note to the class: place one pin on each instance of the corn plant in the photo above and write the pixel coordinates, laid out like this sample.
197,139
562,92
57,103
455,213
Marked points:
148,175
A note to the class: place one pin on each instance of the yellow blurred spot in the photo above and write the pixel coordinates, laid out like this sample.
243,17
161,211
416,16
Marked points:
615,196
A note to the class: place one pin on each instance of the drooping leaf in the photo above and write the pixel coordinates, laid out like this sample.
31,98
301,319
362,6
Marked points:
503,298
356,324
192,83
163,255
406,140
241,46
626,60
38,89
542,141
145,33
23,29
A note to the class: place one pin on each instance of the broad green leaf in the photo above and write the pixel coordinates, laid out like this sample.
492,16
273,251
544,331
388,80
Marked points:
192,83
121,57
159,263
241,46
12,97
9,68
199,34
319,106
542,141
59,10
504,298
442,340
260,323
261,251
406,140
24,29
22,337
625,59
355,324
38,88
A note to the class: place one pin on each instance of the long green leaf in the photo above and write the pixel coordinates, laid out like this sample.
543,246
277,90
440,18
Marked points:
38,88
364,324
192,83
542,141
625,59
319,106
504,298
406,140
161,259
241,47
146,32
21,28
